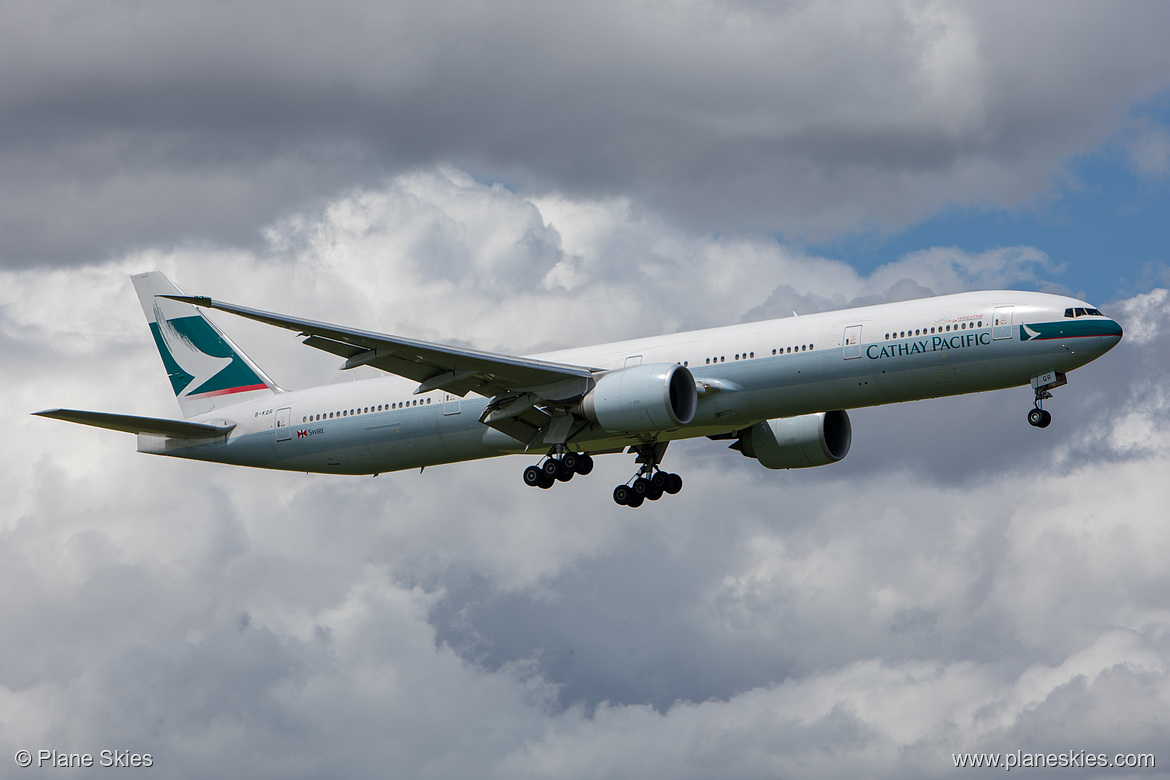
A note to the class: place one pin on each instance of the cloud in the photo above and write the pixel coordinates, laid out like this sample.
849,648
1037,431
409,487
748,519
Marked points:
962,582
131,126
1149,152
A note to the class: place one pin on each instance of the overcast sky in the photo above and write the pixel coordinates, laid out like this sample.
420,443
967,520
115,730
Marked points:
526,176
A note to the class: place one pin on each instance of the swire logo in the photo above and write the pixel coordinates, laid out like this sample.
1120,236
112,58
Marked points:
309,432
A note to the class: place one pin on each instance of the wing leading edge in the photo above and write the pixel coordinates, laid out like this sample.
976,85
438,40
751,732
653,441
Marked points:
434,366
133,424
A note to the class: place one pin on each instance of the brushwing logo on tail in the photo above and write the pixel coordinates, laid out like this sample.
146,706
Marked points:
198,361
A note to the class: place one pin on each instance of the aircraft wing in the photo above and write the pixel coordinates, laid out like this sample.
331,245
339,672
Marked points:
434,366
133,424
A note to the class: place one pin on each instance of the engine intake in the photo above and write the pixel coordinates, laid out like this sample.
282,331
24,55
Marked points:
798,442
642,399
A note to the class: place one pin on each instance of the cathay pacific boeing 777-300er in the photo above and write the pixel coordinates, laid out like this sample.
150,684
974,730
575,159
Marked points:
777,390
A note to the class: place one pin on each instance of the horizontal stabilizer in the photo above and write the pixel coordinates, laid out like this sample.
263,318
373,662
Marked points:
132,424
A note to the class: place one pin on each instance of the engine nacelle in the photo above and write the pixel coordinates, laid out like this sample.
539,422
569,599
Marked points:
642,399
798,442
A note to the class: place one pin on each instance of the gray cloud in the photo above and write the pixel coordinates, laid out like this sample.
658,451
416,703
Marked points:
961,582
129,126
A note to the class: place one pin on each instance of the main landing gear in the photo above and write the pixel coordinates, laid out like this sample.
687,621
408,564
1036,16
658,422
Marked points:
644,487
650,482
557,468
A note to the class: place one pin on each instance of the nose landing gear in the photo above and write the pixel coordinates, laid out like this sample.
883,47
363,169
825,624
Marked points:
1038,417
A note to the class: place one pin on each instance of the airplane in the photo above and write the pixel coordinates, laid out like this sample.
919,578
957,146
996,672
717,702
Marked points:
778,390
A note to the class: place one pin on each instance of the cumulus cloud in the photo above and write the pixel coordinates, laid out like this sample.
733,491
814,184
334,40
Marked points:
962,582
130,125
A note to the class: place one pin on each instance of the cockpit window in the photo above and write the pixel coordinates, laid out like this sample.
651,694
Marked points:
1082,312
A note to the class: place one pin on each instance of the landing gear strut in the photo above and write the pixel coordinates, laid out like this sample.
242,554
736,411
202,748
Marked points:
557,467
650,482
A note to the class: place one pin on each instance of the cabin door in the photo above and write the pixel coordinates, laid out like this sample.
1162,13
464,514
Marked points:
851,343
283,424
1001,322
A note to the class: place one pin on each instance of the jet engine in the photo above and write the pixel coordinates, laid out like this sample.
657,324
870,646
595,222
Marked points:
798,442
642,399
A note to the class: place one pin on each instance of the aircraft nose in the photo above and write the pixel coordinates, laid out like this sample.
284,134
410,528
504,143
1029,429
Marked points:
1111,334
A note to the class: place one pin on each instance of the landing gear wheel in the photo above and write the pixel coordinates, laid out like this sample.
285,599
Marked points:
571,462
1039,418
641,487
673,483
546,481
654,493
659,480
636,501
622,495
1045,419
584,464
533,476
552,468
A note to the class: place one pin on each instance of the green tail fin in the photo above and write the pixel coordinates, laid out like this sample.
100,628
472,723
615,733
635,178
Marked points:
207,371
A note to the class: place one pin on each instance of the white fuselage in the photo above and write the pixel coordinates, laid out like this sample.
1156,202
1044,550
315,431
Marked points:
747,373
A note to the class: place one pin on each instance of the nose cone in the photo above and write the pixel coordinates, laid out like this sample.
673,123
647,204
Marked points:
1110,335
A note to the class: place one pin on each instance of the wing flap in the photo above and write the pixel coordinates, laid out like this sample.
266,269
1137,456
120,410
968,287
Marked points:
133,424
